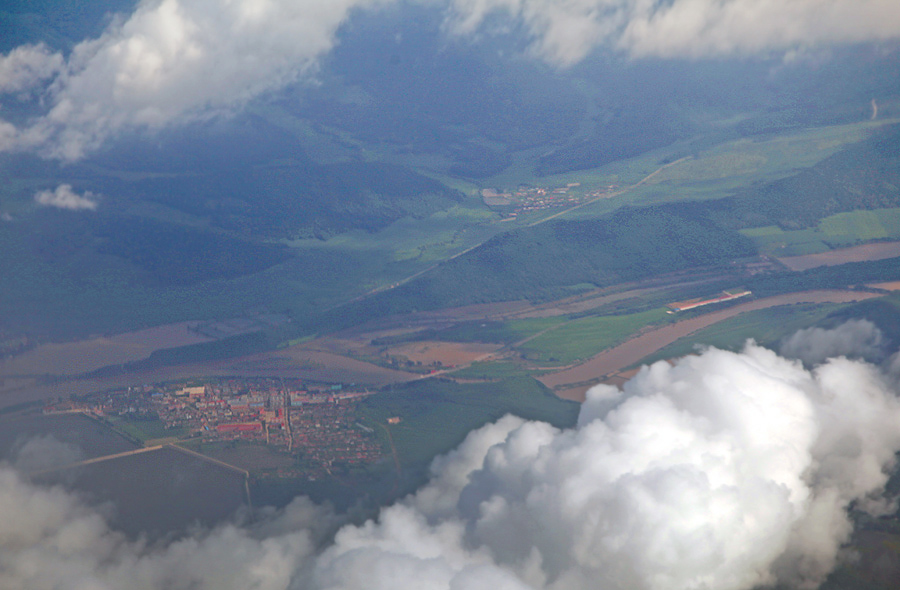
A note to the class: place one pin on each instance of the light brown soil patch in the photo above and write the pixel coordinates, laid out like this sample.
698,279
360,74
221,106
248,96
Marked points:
571,381
479,311
876,251
888,286
446,353
343,346
315,365
576,393
73,358
580,304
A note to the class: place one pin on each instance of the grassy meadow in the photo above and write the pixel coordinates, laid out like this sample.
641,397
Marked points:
583,338
766,326
437,414
835,231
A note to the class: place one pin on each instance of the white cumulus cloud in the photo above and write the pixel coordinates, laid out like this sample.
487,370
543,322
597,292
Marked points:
63,197
854,338
173,61
565,31
26,66
726,470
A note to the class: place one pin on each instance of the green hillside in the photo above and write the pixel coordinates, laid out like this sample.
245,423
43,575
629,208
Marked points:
539,262
863,176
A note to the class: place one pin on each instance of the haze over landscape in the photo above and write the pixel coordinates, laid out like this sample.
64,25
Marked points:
450,294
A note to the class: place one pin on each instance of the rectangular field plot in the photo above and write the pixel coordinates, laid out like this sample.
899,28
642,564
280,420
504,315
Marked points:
834,231
586,337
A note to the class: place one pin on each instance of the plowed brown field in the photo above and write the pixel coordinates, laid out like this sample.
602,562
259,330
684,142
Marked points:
876,251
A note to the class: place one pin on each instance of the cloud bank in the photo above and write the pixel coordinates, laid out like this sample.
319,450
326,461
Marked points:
726,470
853,339
170,61
42,453
173,61
63,197
565,31
25,67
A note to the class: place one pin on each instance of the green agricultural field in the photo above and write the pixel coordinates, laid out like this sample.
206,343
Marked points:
768,158
508,332
144,429
861,226
724,168
493,370
437,414
423,241
774,241
834,231
766,326
580,339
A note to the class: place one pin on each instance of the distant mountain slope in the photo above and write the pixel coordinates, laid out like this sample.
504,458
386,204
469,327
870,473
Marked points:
246,174
864,176
289,199
634,243
544,260
175,255
149,252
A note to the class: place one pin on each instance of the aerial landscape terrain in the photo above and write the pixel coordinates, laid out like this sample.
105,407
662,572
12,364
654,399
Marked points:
525,294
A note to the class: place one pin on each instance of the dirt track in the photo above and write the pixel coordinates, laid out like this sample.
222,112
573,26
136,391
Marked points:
888,286
866,252
572,383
